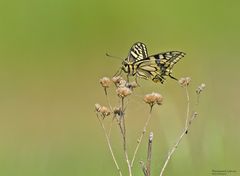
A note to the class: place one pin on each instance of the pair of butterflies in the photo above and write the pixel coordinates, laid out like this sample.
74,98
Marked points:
155,67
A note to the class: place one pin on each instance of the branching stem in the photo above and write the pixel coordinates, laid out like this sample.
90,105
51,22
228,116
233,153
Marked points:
109,145
141,137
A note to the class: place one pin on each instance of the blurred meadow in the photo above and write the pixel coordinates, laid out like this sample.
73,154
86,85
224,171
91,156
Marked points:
52,54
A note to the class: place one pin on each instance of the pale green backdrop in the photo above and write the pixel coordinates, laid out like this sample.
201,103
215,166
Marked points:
52,54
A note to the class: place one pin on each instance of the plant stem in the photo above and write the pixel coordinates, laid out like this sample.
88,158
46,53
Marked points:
141,137
111,109
123,132
177,143
149,155
109,145
188,107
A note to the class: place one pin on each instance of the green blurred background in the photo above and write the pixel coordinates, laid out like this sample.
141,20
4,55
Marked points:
52,54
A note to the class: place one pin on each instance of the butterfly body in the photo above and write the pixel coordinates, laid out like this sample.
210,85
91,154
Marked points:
155,67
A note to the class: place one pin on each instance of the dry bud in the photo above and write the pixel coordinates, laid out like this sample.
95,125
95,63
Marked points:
105,82
200,88
123,92
153,98
184,81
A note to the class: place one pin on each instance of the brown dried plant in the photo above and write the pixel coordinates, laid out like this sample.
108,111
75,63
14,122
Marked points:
125,89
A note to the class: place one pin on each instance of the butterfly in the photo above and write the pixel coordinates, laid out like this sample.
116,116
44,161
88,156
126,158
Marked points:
155,67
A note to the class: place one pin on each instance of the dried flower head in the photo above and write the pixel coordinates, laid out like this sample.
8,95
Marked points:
184,81
105,82
104,111
123,92
200,88
153,98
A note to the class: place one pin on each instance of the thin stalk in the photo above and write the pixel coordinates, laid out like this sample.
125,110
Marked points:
111,109
141,137
123,132
109,146
149,155
188,107
185,131
177,143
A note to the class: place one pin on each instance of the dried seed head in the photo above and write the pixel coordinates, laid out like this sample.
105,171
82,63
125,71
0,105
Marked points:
200,88
153,98
104,111
123,92
184,81
105,82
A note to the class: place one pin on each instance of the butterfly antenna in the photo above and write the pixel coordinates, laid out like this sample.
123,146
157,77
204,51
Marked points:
108,55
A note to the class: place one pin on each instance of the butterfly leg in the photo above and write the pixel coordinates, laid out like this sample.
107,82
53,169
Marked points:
136,80
158,78
173,77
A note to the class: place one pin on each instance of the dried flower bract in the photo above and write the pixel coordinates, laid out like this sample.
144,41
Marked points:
105,82
200,88
184,81
153,98
123,92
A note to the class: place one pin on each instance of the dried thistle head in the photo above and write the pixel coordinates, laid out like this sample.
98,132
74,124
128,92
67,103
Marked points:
103,110
153,98
184,81
123,91
105,82
200,88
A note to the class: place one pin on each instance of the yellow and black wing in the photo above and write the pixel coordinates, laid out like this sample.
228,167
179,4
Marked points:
137,52
158,66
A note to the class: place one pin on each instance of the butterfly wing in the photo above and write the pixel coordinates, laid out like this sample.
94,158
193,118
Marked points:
137,52
159,65
147,68
167,60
